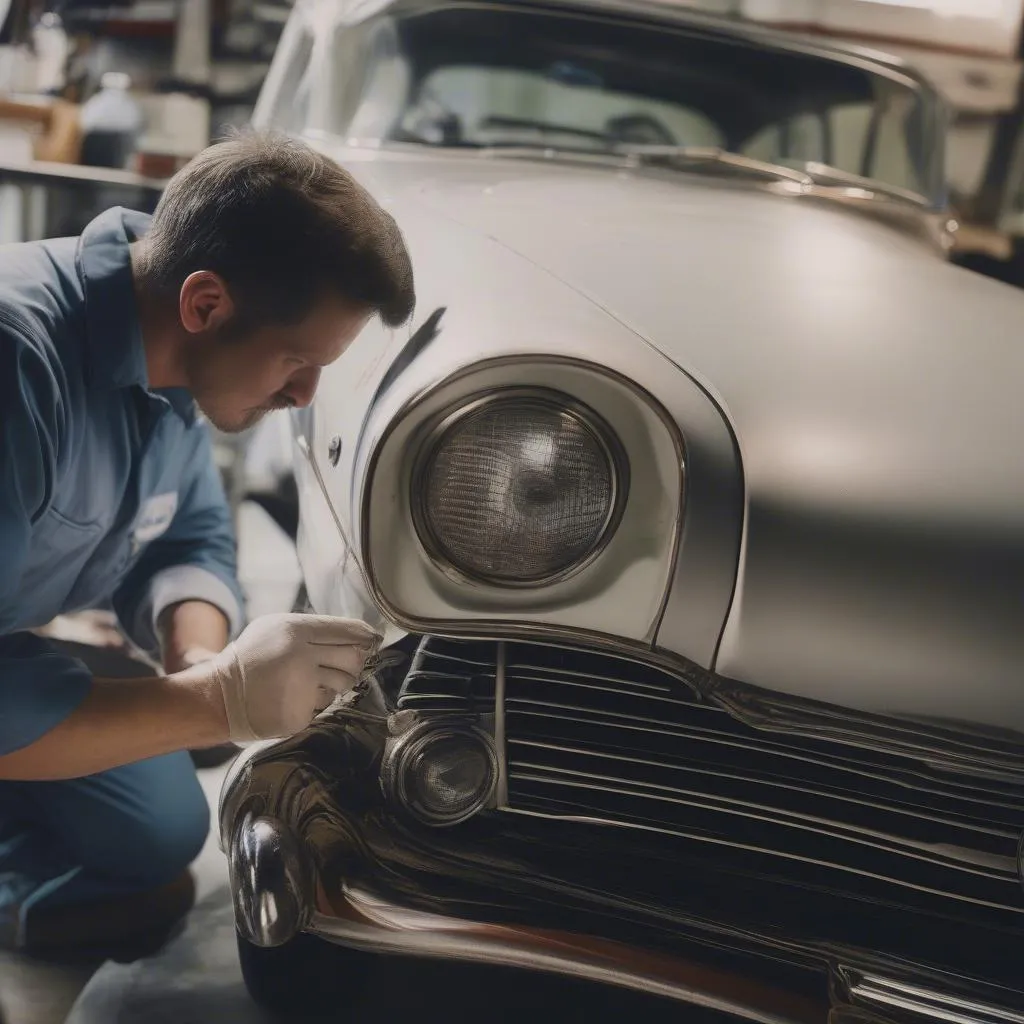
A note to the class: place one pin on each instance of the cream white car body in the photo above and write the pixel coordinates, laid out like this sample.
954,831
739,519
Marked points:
817,538
785,685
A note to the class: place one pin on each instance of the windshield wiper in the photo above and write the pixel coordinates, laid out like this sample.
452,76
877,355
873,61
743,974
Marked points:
817,178
826,174
812,175
634,154
695,156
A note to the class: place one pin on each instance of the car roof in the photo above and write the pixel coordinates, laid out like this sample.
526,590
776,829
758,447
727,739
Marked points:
670,13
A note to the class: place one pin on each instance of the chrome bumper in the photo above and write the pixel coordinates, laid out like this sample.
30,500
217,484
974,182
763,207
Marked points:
313,846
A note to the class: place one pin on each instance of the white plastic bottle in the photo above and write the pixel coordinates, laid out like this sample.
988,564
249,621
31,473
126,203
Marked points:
111,122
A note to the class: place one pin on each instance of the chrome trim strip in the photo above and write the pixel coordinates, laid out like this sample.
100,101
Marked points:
539,672
623,691
889,994
500,736
975,754
447,656
390,929
502,629
409,698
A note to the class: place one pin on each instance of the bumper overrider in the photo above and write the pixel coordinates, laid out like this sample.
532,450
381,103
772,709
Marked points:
340,832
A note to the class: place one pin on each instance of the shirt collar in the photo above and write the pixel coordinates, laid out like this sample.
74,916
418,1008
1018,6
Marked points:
117,356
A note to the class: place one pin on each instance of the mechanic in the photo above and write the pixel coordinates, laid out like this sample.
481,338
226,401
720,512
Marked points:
262,262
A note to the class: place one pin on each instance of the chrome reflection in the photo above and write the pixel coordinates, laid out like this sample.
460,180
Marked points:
270,882
313,845
891,999
376,925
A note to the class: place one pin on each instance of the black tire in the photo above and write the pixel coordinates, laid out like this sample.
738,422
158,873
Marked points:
306,977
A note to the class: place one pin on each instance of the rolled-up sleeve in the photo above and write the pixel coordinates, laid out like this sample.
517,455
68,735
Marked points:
195,560
39,687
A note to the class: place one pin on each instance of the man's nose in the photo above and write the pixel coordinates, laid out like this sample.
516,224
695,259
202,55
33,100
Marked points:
302,386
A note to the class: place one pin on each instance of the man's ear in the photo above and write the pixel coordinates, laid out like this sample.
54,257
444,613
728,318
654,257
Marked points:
204,302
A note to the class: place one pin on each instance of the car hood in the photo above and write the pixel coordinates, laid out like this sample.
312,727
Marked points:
839,349
873,389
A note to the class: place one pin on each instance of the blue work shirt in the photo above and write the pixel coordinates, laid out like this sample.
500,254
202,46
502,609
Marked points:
109,495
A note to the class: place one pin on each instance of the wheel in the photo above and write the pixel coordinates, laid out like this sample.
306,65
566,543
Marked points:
304,976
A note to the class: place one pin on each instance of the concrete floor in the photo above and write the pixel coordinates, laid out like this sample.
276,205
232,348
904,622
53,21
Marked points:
35,993
39,993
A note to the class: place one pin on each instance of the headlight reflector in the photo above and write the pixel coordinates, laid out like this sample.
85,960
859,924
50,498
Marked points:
442,774
519,488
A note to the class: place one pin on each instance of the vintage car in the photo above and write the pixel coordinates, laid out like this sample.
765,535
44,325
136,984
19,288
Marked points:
691,508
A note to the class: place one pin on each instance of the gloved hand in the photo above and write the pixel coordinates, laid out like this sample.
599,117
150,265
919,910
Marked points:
283,669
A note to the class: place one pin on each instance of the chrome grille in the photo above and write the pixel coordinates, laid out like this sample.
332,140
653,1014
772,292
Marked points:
453,677
593,736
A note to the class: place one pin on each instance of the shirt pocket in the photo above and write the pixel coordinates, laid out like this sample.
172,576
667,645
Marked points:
116,553
60,550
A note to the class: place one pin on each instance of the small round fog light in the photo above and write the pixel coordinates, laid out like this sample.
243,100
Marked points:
442,774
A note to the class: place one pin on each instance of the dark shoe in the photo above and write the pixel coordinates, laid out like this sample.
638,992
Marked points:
212,757
120,928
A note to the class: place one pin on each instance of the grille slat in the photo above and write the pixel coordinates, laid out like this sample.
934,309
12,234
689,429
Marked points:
785,799
766,828
451,677
599,738
770,761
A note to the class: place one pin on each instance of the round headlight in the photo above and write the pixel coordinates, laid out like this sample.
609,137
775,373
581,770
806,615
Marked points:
441,774
519,488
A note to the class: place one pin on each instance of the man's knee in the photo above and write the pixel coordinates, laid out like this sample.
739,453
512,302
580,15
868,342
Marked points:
167,842
140,825
165,837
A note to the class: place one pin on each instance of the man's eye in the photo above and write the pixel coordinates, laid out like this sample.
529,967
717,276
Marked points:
293,361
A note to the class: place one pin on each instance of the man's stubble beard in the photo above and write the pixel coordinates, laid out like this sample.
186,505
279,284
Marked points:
247,422
205,389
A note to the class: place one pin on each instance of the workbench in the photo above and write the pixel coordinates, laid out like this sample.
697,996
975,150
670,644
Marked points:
36,179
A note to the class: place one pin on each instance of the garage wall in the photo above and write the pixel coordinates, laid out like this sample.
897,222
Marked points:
989,26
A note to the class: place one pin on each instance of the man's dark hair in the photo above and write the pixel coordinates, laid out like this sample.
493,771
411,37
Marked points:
283,225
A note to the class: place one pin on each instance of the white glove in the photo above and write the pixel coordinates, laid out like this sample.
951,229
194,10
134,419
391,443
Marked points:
283,669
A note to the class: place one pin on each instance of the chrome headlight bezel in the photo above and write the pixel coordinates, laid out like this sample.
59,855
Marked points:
550,400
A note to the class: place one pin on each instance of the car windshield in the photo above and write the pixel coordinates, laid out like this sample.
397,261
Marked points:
484,75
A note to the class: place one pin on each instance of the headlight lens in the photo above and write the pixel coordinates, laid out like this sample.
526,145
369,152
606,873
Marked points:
520,488
443,775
